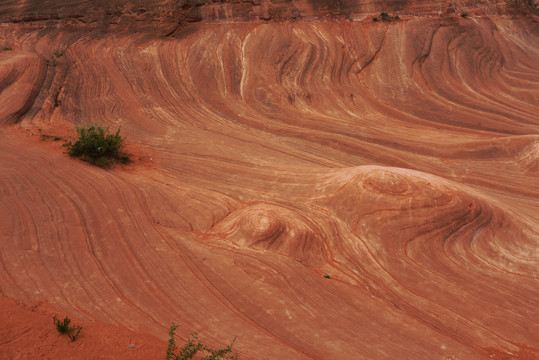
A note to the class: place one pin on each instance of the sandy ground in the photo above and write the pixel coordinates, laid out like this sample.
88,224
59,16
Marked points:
28,332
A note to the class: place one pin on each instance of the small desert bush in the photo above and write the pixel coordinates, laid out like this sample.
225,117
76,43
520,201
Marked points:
194,346
96,146
385,17
64,328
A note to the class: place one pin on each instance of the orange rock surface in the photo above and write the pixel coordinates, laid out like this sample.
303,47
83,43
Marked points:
306,180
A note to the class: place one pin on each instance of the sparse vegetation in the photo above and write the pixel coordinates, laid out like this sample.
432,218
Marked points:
96,146
58,53
385,17
64,328
464,14
57,102
7,48
45,137
327,276
194,346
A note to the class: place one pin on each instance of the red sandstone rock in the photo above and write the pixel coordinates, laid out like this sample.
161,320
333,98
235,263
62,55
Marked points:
400,159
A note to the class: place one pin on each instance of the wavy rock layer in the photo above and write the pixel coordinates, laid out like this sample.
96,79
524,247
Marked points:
21,77
399,159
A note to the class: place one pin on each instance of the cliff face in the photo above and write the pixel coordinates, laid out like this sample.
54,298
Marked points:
104,12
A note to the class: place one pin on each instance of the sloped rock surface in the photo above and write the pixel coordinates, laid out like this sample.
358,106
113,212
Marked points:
398,159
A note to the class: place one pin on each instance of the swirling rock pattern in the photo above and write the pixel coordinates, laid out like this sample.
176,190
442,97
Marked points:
400,159
274,228
21,77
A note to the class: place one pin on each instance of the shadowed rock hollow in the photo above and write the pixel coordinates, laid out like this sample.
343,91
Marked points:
274,143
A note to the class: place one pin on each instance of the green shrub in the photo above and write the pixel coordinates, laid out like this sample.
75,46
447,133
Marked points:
385,17
96,146
64,328
194,346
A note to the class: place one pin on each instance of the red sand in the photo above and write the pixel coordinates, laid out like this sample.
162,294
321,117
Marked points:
401,159
28,332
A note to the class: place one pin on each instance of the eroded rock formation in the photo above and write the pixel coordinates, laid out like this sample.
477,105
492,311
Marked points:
315,183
